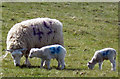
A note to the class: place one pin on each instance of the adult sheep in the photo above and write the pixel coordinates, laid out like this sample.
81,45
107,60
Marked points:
33,33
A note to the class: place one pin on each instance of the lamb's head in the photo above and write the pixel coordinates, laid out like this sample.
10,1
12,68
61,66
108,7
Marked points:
16,55
90,65
33,53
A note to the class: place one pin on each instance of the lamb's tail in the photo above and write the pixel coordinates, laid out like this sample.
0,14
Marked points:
115,58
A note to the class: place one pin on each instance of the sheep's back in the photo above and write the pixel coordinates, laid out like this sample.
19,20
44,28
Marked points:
37,32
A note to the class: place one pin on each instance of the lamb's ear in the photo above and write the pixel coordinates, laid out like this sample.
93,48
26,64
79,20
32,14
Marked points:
94,60
89,62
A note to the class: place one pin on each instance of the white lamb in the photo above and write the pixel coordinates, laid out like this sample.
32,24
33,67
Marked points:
33,33
47,53
101,55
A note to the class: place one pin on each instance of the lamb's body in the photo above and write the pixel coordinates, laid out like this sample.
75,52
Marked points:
101,55
50,52
34,33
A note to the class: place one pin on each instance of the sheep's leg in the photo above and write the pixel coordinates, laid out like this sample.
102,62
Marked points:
45,64
100,65
113,64
63,64
42,61
27,63
48,64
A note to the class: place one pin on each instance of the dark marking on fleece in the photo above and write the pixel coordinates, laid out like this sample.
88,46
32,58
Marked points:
105,53
55,50
46,26
38,32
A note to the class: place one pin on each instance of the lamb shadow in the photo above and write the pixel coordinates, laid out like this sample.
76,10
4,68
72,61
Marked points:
53,67
69,69
73,69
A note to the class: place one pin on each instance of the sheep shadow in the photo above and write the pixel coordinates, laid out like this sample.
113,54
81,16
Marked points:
24,66
53,67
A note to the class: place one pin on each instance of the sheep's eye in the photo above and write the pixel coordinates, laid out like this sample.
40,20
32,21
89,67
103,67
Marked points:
13,56
20,56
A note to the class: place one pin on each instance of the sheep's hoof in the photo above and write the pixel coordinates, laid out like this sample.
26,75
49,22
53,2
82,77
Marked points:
41,67
100,68
113,69
26,65
45,66
61,68
49,68
22,66
58,68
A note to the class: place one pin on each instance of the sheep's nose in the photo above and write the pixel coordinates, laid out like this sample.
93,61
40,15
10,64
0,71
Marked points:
30,57
17,65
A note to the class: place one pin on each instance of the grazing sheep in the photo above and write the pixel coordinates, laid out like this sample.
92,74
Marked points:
47,53
101,55
34,33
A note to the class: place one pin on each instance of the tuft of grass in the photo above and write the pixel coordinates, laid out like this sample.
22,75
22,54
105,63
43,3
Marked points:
87,27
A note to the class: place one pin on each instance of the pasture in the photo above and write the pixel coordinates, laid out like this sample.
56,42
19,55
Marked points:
87,27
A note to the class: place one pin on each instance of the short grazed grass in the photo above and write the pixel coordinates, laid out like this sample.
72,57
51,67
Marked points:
87,27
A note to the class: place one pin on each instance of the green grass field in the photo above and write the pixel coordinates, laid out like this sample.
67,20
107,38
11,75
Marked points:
87,27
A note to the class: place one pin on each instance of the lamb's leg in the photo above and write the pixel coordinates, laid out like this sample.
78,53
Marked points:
62,64
100,65
48,64
58,64
113,64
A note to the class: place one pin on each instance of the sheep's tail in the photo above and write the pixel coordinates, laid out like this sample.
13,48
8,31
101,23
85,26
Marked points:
115,54
3,56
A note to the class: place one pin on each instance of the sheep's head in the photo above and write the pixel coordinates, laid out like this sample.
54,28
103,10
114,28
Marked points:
90,65
16,55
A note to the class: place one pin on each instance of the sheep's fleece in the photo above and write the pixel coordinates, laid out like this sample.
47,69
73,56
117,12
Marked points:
34,33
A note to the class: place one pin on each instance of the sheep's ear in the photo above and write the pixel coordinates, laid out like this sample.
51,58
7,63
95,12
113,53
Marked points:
8,50
23,49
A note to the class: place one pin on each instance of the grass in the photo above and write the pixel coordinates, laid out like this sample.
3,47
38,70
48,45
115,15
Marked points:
87,27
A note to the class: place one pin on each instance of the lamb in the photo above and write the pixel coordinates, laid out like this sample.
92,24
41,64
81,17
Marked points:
33,33
47,53
101,55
